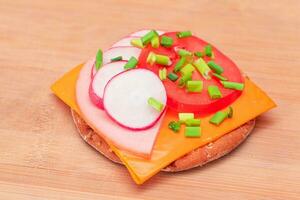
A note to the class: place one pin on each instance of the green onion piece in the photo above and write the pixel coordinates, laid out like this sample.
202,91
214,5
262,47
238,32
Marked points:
173,77
148,37
185,116
137,42
208,50
132,62
203,68
183,52
155,104
179,64
166,41
214,92
155,42
174,126
187,69
162,59
217,68
184,79
222,78
192,122
218,117
192,131
118,58
198,54
230,112
194,86
151,58
162,74
99,59
233,85
184,34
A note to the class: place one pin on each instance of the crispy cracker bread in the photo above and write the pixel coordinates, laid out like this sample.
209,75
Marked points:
195,158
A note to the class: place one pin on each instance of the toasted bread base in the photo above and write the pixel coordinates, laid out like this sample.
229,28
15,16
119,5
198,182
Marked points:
195,158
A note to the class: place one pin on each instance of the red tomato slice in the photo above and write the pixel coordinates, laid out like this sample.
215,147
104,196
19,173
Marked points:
178,98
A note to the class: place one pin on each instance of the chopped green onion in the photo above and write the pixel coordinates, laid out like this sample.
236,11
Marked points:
99,59
174,126
233,85
183,52
151,58
179,64
185,116
173,77
137,42
132,62
192,131
218,117
184,34
184,79
155,42
155,104
203,68
222,78
230,112
193,122
208,50
194,86
118,58
162,74
187,69
214,92
198,54
162,60
148,37
166,41
217,68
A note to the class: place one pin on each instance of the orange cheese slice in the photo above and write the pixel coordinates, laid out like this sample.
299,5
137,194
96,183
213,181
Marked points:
171,146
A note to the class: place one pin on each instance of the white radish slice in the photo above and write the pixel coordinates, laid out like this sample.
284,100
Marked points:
137,142
144,32
126,98
105,73
125,52
125,42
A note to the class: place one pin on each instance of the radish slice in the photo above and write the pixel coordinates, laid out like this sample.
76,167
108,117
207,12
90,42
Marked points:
105,73
144,32
126,98
125,52
139,143
125,42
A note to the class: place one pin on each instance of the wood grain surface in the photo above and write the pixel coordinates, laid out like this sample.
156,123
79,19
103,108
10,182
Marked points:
43,157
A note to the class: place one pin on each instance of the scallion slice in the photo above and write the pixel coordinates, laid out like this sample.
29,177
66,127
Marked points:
233,85
198,54
230,112
172,76
137,42
194,86
187,69
157,105
192,122
179,64
148,37
132,62
208,50
184,34
222,78
162,59
166,41
184,79
218,117
155,42
162,74
174,126
217,68
183,52
118,58
203,68
185,116
151,58
192,131
214,92
99,59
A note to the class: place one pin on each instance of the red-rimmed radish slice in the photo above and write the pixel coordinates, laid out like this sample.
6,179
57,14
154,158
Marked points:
125,52
137,142
105,73
125,42
144,32
126,98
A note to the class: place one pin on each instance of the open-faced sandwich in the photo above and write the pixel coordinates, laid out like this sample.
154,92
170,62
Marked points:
161,100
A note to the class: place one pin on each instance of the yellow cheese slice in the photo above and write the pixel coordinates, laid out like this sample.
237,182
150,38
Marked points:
171,146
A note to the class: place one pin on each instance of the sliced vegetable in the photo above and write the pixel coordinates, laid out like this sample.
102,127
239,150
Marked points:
137,42
192,131
157,105
187,69
194,86
151,58
166,41
218,118
185,116
162,60
174,126
217,68
198,54
203,68
184,79
132,62
230,112
183,52
99,59
208,50
193,122
148,37
233,85
214,92
118,58
184,34
222,78
162,73
155,42
172,76
179,64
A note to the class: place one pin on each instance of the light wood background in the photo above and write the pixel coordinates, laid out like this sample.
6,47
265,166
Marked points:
43,157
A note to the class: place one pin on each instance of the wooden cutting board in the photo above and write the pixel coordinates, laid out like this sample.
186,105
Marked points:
43,157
